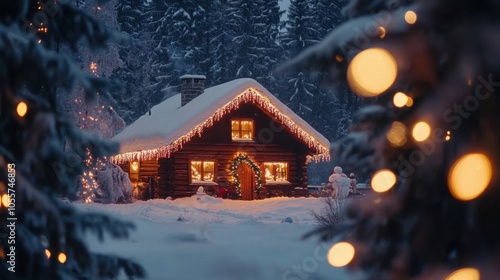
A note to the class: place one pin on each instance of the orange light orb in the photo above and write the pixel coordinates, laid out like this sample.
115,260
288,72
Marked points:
22,109
421,131
383,180
62,257
341,254
469,176
467,273
410,17
400,99
371,72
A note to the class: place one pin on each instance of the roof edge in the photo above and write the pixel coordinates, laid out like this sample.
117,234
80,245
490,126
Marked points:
252,94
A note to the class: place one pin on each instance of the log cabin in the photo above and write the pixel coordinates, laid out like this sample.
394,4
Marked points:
235,136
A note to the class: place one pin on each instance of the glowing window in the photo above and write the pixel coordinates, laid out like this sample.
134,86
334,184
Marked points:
275,171
242,129
202,171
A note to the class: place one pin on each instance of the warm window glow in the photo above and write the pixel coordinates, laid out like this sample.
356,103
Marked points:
61,257
410,17
467,273
242,129
400,99
371,72
469,176
383,180
275,171
202,171
22,109
341,254
421,131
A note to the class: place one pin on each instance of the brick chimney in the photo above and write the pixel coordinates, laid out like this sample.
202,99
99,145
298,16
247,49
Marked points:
191,87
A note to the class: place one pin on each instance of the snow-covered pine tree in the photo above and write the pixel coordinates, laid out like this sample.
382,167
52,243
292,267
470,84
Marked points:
429,142
301,32
241,16
328,15
131,97
270,52
49,232
162,76
255,29
221,43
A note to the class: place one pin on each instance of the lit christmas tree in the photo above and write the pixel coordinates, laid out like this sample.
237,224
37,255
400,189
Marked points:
429,142
36,168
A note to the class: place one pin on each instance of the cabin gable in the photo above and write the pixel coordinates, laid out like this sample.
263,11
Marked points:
254,146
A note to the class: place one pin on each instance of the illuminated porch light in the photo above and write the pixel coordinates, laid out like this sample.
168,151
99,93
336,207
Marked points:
469,176
134,165
371,72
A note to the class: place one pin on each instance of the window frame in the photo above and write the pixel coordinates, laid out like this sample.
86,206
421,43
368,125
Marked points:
240,129
287,172
202,182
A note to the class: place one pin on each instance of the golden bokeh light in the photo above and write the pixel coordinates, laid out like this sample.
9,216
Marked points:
5,200
371,72
341,254
383,180
400,99
469,176
409,103
47,253
448,136
410,17
468,273
382,32
22,109
397,134
421,131
61,258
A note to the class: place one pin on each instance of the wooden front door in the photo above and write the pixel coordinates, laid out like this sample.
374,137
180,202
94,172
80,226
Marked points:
247,181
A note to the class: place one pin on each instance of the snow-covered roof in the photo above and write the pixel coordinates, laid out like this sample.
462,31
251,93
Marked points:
170,126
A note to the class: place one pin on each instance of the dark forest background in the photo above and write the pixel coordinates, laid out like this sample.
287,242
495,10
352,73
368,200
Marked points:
221,39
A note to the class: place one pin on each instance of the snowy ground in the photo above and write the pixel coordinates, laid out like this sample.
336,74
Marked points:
221,239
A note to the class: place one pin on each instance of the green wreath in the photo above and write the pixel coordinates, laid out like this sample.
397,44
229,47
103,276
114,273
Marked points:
244,158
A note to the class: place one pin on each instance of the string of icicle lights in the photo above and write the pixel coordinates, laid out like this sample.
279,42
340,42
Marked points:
249,95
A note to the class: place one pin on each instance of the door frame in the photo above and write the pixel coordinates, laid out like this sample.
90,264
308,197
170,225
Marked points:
243,158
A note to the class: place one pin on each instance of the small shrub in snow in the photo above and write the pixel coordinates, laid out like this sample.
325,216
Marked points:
114,185
287,220
333,212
